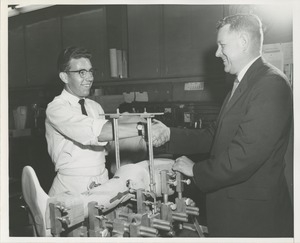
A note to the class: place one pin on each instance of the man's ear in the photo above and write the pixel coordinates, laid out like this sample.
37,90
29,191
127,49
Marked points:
64,77
244,40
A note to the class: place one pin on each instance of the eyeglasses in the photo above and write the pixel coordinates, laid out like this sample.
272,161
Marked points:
83,72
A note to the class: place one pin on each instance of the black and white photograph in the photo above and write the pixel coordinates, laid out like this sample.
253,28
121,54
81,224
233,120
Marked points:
149,121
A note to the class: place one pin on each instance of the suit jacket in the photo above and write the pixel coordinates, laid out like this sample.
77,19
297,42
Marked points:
246,191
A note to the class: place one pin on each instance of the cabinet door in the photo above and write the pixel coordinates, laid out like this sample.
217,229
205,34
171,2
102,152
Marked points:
190,40
88,29
16,58
43,45
144,31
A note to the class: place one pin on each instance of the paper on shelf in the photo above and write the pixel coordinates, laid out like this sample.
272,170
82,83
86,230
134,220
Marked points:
141,96
124,64
119,63
128,97
113,63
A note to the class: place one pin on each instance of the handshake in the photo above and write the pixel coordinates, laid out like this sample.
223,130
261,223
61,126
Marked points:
160,132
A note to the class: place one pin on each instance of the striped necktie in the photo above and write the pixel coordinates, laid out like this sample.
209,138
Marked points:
83,110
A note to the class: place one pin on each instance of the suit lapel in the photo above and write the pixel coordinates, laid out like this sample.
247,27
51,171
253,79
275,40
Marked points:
243,86
224,107
238,92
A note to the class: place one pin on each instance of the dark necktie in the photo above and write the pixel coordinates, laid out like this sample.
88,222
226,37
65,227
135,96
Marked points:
83,110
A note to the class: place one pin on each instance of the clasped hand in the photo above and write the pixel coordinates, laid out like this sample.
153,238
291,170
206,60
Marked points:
160,133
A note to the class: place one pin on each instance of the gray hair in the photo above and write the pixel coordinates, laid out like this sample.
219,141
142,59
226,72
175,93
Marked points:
249,23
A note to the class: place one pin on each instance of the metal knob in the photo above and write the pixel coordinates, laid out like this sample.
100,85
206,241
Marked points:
187,181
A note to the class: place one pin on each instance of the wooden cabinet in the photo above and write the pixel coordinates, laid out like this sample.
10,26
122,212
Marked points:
144,40
164,41
88,29
35,41
16,60
190,40
173,40
42,46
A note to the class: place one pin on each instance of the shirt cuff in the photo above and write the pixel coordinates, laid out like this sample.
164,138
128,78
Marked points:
97,128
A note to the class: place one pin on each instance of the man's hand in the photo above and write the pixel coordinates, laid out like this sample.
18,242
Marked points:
160,133
184,165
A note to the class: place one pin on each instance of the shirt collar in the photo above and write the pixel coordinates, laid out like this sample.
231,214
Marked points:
71,98
244,70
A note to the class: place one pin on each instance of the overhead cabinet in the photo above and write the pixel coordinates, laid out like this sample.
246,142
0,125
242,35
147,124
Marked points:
35,41
42,46
88,29
144,40
162,41
173,40
189,40
16,57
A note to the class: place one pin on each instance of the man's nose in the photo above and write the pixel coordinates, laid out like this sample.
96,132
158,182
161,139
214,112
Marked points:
218,52
89,76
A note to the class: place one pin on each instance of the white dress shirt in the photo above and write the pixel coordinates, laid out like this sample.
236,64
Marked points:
245,69
73,142
240,76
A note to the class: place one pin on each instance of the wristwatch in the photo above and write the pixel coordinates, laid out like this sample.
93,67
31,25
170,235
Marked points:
140,127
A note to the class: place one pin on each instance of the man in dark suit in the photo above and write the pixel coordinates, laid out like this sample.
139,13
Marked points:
246,191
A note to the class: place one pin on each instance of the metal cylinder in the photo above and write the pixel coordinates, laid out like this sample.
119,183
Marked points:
179,214
148,230
117,145
195,213
162,227
183,217
189,227
161,222
179,218
151,157
166,198
145,234
191,208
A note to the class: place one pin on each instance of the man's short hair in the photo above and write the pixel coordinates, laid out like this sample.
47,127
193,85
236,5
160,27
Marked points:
69,53
244,22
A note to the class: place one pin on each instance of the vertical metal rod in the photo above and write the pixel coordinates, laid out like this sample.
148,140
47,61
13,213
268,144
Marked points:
179,187
166,198
151,160
117,145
